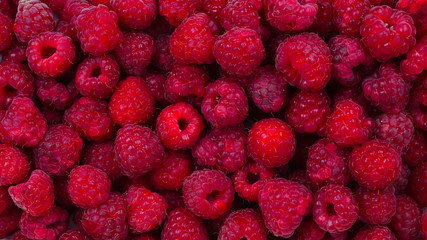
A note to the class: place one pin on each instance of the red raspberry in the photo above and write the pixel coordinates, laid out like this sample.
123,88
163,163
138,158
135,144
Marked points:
347,15
6,32
19,235
15,79
271,142
55,5
146,210
175,11
417,106
387,32
5,200
193,40
375,164
179,126
208,193
14,166
53,94
283,204
102,155
402,181
73,8
376,207
239,51
334,208
134,14
75,234
223,149
135,52
174,199
214,7
323,21
307,74
97,30
308,230
32,17
417,10
156,83
7,8
239,13
375,232
132,102
245,223
424,224
88,186
22,124
182,224
349,125
108,220
9,221
16,53
90,118
62,197
290,16
224,104
418,183
171,173
414,62
416,151
163,58
59,150
138,150
146,236
406,223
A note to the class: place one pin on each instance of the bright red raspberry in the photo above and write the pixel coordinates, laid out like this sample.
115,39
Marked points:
138,150
417,10
146,210
53,93
214,7
415,62
406,223
16,53
102,155
134,14
179,126
245,223
9,221
6,32
376,207
97,30
15,79
418,183
88,186
208,193
108,220
175,11
375,164
135,52
5,200
182,224
293,64
75,234
283,204
73,8
309,230
222,149
132,102
239,51
271,142
14,166
416,151
323,22
396,129
156,83
163,58
240,13
375,232
347,15
387,32
174,199
90,118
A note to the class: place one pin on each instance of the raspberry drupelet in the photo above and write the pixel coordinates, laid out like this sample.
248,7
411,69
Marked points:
14,166
347,15
134,14
245,223
375,232
163,58
9,221
72,8
181,224
53,94
239,14
75,234
102,155
376,207
406,223
415,63
416,8
6,32
401,182
15,79
309,230
5,200
214,8
175,11
418,183
416,151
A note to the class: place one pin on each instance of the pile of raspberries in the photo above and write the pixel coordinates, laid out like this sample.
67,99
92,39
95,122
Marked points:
213,119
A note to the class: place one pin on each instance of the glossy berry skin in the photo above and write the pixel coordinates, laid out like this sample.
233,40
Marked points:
72,8
176,11
14,166
182,224
6,32
375,232
418,183
347,15
245,223
416,151
416,8
9,221
406,223
239,14
102,156
415,63
75,234
15,79
134,14
376,207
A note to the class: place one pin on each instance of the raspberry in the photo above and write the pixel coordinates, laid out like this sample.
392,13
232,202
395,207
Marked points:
387,32
53,94
349,125
14,166
415,63
417,106
175,11
375,232
416,150
156,83
271,142
179,126
347,15
32,17
5,200
97,30
135,52
16,53
283,204
108,220
73,8
402,181
309,230
102,156
418,183
323,22
55,5
6,32
146,236
22,124
375,164
163,58
224,104
182,224
132,102
15,79
59,150
214,7
146,210
75,234
245,223
7,8
239,51
424,224
193,40
290,16
9,221
20,236
334,208
406,223
90,118
376,207
88,186
307,74
223,149
171,173
239,14
62,197
208,193
134,14
174,199
417,10
47,227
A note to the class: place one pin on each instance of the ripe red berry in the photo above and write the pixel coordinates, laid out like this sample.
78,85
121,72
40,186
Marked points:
175,11
375,232
12,156
406,223
134,14
348,15
102,155
182,224
245,223
15,79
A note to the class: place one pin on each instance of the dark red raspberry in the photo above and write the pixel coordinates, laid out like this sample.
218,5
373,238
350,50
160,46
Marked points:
97,30
418,183
90,118
308,230
424,224
108,220
73,8
323,22
239,13
16,53
387,32
214,7
132,102
414,62
163,58
134,14
182,224
15,79
7,8
402,181
418,104
245,223
416,151
224,104
102,155
290,16
55,5
47,227
20,236
417,10
88,186
68,29
62,197
179,126
9,221
175,11
271,142
376,207
171,173
6,32
349,125
375,232
283,204
22,124
146,236
156,83
307,74
347,15
59,150
406,223
53,93
375,164
75,234
146,210
334,208
5,200
174,199
223,149
239,51
14,166
208,193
